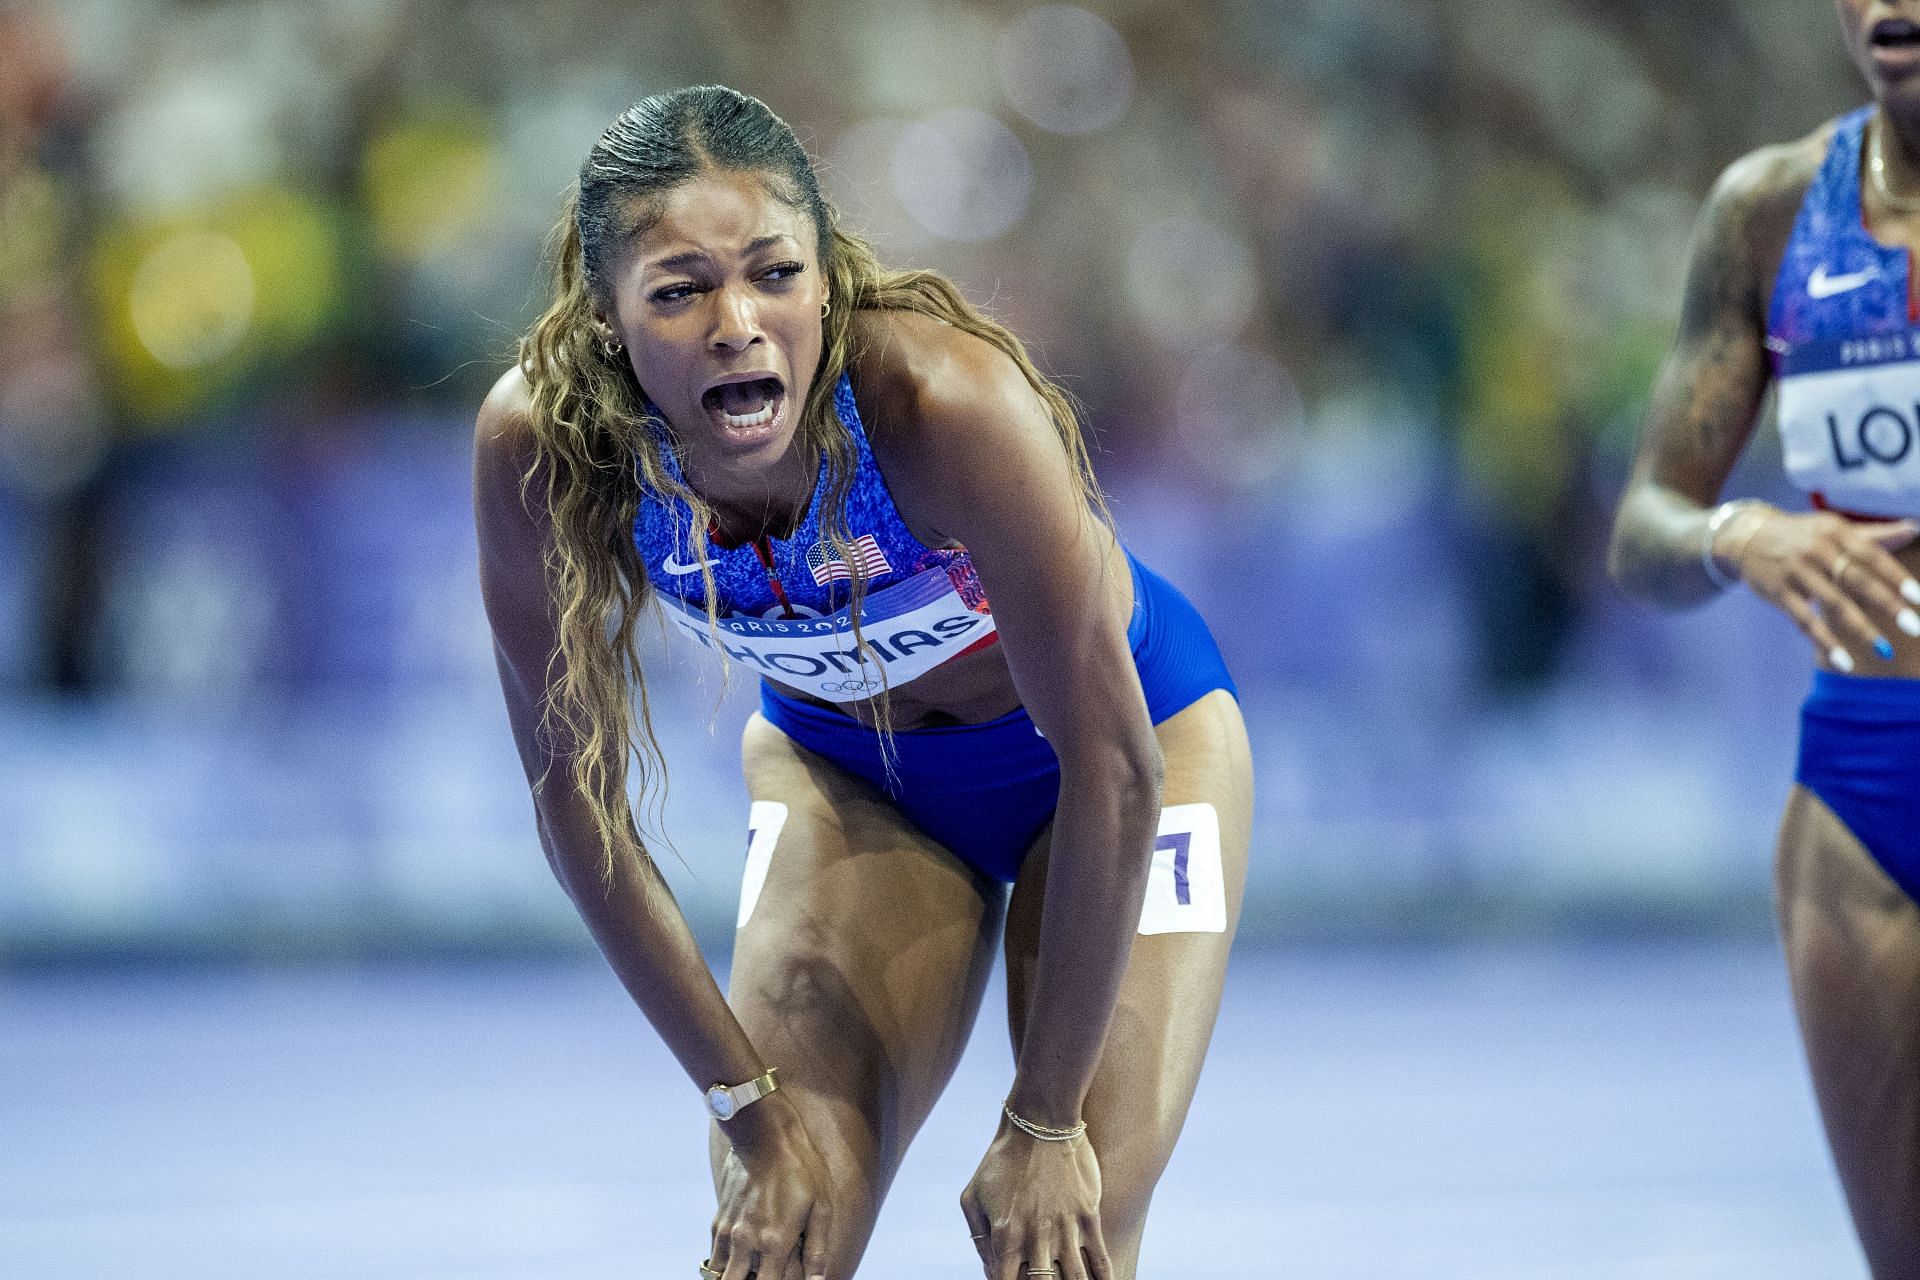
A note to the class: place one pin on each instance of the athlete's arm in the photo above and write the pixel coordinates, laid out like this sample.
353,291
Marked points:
632,916
1706,399
981,464
1705,404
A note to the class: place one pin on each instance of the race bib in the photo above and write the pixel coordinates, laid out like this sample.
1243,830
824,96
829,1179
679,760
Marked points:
1186,888
1850,422
764,821
909,629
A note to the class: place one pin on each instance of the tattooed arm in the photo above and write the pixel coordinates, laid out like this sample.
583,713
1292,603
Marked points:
1836,579
1709,390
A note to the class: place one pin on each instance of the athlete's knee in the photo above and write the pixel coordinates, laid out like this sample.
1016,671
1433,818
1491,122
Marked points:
1126,1192
1123,1213
855,1206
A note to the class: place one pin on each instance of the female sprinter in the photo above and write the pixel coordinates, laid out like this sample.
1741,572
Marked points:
824,471
1802,280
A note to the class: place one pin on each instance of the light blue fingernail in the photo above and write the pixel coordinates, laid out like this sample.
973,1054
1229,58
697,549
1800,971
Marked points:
1881,647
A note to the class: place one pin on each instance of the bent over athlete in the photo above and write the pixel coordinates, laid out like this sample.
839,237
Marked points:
855,485
1802,280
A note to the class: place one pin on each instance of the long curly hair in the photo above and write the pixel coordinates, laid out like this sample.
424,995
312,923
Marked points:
597,448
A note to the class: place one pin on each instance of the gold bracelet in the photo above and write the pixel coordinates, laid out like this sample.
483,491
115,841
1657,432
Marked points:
1041,1131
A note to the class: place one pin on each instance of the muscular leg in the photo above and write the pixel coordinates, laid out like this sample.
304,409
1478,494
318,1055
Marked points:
859,973
1171,991
1853,950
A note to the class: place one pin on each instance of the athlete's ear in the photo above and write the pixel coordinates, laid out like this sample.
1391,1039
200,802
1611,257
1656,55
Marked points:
607,336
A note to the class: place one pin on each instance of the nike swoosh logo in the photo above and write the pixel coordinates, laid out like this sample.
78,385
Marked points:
1822,285
672,564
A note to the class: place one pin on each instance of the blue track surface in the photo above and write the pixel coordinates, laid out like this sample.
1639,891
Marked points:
1435,1115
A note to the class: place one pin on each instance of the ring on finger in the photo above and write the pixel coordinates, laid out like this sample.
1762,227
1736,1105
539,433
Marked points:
708,1271
1841,563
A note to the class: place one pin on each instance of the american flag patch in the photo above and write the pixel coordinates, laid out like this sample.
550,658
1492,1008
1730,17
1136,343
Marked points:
828,567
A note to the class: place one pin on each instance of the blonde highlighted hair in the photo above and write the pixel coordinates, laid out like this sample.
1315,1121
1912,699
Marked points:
597,450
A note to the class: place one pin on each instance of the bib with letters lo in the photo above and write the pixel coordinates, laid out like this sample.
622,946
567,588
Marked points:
1850,422
1845,341
784,604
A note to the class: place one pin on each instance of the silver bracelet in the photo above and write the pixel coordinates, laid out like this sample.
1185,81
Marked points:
1041,1131
1717,520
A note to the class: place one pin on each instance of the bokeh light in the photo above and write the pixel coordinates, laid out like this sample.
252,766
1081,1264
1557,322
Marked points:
1189,281
181,143
856,172
191,298
962,175
1065,69
189,306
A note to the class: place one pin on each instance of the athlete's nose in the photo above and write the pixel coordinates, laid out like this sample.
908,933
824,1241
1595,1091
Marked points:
736,322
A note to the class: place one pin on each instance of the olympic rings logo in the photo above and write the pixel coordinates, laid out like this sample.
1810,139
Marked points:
852,686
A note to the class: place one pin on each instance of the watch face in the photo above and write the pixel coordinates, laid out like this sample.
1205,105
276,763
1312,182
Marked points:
720,1102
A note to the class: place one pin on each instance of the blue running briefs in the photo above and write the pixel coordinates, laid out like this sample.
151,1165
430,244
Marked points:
1860,753
985,791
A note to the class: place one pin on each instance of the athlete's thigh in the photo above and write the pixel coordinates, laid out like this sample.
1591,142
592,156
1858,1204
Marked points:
859,969
1852,940
1170,993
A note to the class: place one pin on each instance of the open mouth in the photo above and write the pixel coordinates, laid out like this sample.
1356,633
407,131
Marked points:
1895,33
746,402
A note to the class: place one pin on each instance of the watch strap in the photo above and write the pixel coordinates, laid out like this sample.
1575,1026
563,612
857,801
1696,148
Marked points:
754,1090
739,1096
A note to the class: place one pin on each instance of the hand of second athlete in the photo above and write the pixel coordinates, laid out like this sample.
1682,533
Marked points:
1836,579
1035,1204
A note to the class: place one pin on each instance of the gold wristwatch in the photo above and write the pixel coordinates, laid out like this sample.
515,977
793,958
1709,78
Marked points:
727,1100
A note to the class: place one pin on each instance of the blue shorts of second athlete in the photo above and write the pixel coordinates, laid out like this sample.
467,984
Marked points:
986,791
1860,753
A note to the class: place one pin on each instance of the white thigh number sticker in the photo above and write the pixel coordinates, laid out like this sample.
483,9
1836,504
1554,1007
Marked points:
764,821
1186,891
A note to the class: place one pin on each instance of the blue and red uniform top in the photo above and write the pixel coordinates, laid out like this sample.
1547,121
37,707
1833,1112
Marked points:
782,604
1843,331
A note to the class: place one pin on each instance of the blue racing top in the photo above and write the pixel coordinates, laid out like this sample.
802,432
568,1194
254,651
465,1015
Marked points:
1842,331
783,603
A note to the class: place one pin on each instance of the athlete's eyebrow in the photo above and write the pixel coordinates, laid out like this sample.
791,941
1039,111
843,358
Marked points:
695,257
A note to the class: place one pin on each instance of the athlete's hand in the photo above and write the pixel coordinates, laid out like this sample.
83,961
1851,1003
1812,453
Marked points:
1033,1205
1837,579
775,1219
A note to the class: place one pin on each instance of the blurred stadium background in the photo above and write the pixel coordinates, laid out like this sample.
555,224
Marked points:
1363,301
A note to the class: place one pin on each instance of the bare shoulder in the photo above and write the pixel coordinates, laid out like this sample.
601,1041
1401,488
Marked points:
505,421
922,384
1781,168
504,449
503,434
951,417
1758,197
